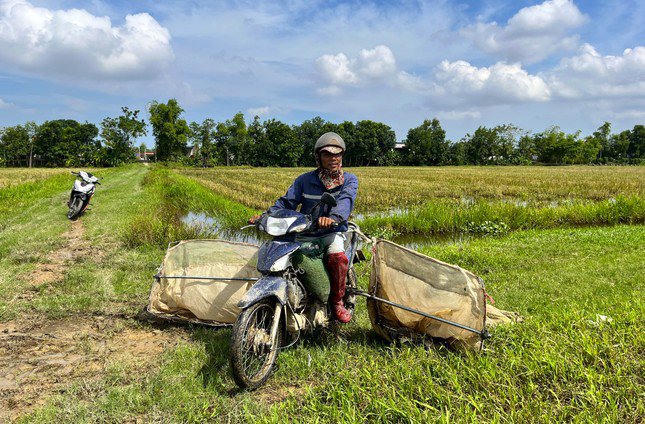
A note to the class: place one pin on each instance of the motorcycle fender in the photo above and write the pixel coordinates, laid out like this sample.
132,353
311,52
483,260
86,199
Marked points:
265,287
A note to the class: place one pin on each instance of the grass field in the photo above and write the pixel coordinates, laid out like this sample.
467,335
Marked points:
72,351
383,189
16,176
448,200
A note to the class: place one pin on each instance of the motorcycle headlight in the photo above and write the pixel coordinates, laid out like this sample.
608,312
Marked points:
278,226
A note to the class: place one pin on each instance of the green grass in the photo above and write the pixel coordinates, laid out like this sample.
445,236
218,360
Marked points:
171,196
16,176
102,280
457,200
21,188
486,218
561,364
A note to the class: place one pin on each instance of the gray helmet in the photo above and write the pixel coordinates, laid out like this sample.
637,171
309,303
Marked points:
331,141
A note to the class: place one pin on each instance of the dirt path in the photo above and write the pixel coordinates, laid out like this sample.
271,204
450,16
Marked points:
53,268
74,248
40,356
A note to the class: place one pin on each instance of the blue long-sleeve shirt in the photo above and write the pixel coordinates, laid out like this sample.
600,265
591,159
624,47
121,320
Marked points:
307,190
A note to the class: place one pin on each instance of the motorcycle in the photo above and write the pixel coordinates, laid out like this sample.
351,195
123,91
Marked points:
279,305
82,192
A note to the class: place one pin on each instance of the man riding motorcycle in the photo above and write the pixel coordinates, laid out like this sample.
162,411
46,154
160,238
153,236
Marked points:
306,191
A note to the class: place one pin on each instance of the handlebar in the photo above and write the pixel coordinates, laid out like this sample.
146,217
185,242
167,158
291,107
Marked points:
93,176
312,228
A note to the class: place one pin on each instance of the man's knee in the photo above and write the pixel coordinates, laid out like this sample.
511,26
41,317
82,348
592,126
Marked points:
337,245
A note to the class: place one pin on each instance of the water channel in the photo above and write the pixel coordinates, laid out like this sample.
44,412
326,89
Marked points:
210,227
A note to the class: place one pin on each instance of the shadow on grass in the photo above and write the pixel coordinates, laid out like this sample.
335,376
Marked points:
216,342
216,372
337,333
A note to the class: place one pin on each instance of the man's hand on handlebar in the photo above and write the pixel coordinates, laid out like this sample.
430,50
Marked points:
325,222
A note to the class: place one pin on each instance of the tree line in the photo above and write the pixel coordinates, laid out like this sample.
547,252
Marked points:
271,142
66,142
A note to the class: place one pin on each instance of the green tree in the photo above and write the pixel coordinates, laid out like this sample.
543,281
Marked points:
636,149
277,145
346,130
496,145
233,143
16,144
526,150
618,147
457,153
257,139
223,144
508,139
426,144
170,130
240,141
588,150
372,143
601,137
202,135
481,146
143,149
308,132
65,142
119,135
555,146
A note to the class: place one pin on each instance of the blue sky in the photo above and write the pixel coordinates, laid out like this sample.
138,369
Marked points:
533,64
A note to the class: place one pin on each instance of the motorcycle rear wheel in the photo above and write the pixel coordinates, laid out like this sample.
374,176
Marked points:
253,353
75,208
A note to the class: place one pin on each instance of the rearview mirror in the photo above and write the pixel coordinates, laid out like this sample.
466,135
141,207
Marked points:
328,199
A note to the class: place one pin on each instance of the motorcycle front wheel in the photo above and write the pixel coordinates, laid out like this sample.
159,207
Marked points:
75,208
253,350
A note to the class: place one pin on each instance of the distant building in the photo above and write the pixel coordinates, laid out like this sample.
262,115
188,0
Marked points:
145,156
192,152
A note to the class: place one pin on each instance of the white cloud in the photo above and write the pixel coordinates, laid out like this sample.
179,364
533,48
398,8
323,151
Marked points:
453,83
630,114
5,105
461,83
532,34
376,63
410,82
339,70
457,115
336,69
259,111
591,75
75,43
331,90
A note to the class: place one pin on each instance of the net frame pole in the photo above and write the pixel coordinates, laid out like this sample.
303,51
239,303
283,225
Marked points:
188,277
484,334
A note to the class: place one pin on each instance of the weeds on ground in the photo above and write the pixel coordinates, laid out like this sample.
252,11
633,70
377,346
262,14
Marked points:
485,218
565,362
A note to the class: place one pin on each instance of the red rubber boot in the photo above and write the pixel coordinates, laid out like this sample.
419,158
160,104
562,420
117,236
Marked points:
337,264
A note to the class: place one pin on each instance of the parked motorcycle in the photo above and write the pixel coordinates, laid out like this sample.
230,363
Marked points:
82,192
279,306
